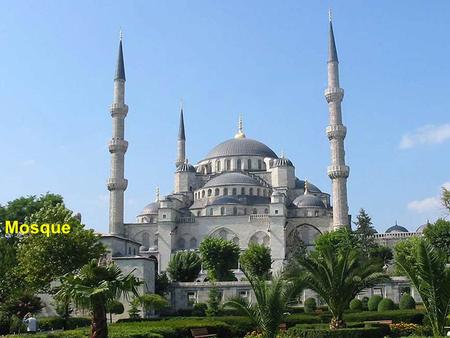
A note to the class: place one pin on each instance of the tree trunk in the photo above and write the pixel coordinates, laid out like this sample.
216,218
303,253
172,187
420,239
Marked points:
99,322
337,323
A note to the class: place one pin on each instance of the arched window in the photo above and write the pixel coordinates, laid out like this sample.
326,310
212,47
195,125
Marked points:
255,211
217,166
259,164
223,234
225,191
222,211
234,211
249,164
181,243
209,192
228,165
266,211
203,193
264,192
193,243
234,191
258,191
146,239
211,212
316,213
216,192
238,165
245,211
242,191
250,191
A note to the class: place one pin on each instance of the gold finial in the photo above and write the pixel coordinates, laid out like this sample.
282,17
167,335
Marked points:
157,194
330,17
306,187
240,133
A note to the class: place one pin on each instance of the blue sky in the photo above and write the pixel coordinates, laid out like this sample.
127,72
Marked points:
265,59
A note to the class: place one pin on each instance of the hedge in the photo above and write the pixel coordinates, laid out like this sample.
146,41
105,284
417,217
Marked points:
354,332
386,304
58,323
372,304
407,302
356,304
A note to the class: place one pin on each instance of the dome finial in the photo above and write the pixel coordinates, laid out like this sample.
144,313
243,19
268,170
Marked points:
240,133
157,194
306,187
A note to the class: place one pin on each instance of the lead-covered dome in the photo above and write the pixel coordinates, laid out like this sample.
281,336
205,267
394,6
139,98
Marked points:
150,209
308,201
396,228
232,178
241,147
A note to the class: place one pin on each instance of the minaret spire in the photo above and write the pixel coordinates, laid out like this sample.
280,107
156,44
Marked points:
338,171
117,184
181,140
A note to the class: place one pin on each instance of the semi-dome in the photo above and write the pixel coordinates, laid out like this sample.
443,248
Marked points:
396,228
231,178
241,147
308,201
150,209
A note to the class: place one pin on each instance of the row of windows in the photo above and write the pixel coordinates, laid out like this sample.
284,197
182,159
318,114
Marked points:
234,211
232,192
228,165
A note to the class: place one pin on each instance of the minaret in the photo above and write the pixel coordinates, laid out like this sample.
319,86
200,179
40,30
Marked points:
181,141
117,184
336,131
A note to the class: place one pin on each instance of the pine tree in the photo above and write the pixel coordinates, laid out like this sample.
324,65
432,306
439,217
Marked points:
365,230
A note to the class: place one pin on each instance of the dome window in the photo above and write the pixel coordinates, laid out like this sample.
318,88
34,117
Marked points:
249,164
242,191
217,166
228,165
238,165
250,191
222,211
234,191
225,191
209,192
259,164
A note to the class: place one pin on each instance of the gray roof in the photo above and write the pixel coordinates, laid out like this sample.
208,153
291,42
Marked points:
308,200
332,53
185,167
181,134
120,68
300,184
241,147
247,200
150,209
232,178
282,162
396,228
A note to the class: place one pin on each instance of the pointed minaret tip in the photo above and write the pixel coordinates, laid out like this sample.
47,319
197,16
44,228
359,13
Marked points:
157,194
332,53
240,133
306,187
120,68
181,133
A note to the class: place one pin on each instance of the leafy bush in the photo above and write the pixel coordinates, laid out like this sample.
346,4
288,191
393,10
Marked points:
184,266
407,316
386,304
213,302
219,256
407,302
153,302
58,323
358,332
407,329
310,305
199,309
256,260
356,304
372,305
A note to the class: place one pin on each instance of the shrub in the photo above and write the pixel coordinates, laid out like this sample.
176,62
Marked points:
184,266
356,304
407,302
58,323
256,260
372,305
386,304
365,301
199,309
219,256
310,305
358,332
153,302
407,316
213,302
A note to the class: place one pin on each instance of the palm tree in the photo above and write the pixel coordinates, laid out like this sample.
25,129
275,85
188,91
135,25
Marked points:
272,298
338,277
426,268
93,287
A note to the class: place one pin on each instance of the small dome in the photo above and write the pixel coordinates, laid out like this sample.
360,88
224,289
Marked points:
151,209
241,147
308,201
282,162
421,229
185,167
231,178
396,228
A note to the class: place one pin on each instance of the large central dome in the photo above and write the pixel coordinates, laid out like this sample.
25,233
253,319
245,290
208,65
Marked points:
241,147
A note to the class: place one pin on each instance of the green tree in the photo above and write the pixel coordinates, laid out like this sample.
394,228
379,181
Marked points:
425,266
439,235
152,302
364,231
270,308
161,284
134,312
446,198
114,307
42,259
93,287
256,260
405,249
22,303
184,266
340,240
213,303
338,276
219,256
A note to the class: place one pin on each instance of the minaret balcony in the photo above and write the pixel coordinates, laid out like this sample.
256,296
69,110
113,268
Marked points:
336,131
117,184
333,94
338,171
118,110
118,146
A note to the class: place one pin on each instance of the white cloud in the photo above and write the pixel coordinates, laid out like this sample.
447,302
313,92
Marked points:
429,134
429,204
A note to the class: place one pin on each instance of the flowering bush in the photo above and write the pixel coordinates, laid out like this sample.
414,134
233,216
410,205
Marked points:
405,329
